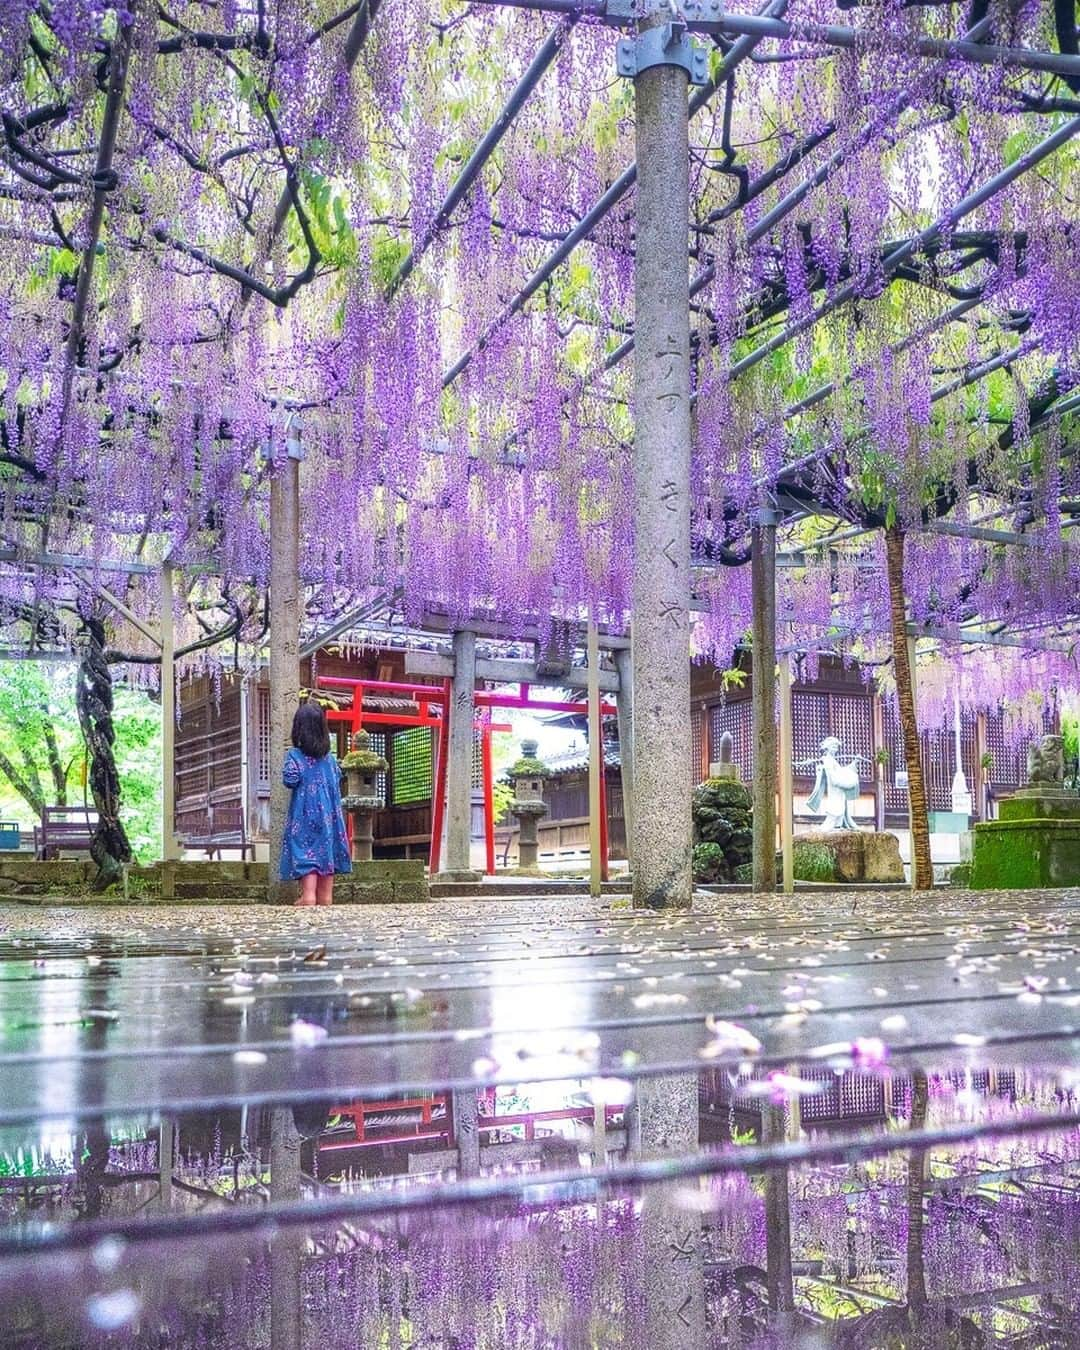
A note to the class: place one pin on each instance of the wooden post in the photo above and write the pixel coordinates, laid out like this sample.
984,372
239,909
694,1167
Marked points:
624,704
169,849
165,1162
660,613
489,795
284,639
903,654
438,805
459,762
763,680
777,1218
596,750
787,792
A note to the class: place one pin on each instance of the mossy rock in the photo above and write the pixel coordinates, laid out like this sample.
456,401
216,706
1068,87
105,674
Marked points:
365,761
528,768
723,820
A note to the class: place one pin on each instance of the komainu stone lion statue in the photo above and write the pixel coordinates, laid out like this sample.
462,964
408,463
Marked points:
1046,762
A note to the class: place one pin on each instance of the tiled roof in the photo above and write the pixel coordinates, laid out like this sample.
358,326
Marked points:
577,759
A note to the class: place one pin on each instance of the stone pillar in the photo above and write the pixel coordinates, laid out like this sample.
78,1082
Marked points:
286,1249
624,708
456,858
466,1133
673,1271
660,616
284,642
763,699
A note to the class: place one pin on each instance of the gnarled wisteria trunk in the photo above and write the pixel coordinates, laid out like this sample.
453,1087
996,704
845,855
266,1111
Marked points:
110,848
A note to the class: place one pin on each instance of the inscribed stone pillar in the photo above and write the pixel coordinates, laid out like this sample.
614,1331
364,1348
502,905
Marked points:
457,863
660,622
465,1132
286,1248
673,1272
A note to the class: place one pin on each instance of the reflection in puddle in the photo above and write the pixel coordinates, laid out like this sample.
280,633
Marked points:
903,1227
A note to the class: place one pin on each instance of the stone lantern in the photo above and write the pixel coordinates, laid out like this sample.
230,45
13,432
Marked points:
528,805
361,797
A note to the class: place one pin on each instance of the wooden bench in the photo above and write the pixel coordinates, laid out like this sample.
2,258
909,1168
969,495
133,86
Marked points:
213,828
70,828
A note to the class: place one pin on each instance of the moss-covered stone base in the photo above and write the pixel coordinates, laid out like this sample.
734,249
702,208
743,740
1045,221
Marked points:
383,881
1025,854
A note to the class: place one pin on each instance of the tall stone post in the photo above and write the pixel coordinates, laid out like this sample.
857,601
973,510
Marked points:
284,638
763,680
624,709
466,1132
673,1270
286,1249
457,863
660,615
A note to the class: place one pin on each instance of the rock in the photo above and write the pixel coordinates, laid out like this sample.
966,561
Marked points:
881,855
848,855
722,810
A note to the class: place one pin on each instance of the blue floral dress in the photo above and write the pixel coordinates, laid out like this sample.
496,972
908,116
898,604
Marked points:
315,839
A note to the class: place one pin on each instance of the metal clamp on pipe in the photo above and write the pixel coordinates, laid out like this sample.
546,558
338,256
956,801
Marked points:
665,45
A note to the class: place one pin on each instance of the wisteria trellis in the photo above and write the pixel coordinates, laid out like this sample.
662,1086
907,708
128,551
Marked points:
272,229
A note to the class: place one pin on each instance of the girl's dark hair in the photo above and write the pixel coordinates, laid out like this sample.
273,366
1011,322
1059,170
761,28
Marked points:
309,730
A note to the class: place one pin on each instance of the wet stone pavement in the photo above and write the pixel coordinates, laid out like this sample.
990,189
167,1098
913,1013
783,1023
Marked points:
827,1119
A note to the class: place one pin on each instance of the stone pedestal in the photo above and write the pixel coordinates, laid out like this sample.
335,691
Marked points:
1034,843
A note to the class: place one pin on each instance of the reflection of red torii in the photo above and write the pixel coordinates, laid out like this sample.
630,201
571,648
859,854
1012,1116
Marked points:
432,700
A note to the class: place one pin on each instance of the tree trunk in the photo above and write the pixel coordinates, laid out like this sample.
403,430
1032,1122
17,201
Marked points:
922,869
94,699
916,1193
56,765
22,785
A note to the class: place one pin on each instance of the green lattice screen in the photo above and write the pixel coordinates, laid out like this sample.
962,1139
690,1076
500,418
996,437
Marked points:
411,763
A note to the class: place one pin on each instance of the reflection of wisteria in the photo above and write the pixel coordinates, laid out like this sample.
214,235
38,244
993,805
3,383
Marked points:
997,1218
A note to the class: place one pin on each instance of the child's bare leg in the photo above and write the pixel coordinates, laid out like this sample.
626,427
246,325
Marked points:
307,889
325,890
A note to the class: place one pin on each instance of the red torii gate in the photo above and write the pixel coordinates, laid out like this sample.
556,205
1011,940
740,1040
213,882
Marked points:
432,701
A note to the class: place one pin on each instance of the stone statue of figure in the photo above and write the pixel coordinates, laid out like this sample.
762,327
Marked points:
835,788
1046,762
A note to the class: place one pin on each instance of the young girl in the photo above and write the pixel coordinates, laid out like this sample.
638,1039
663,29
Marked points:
315,844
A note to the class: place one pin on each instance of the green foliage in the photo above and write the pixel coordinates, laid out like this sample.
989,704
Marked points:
814,862
138,761
709,863
37,711
529,768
